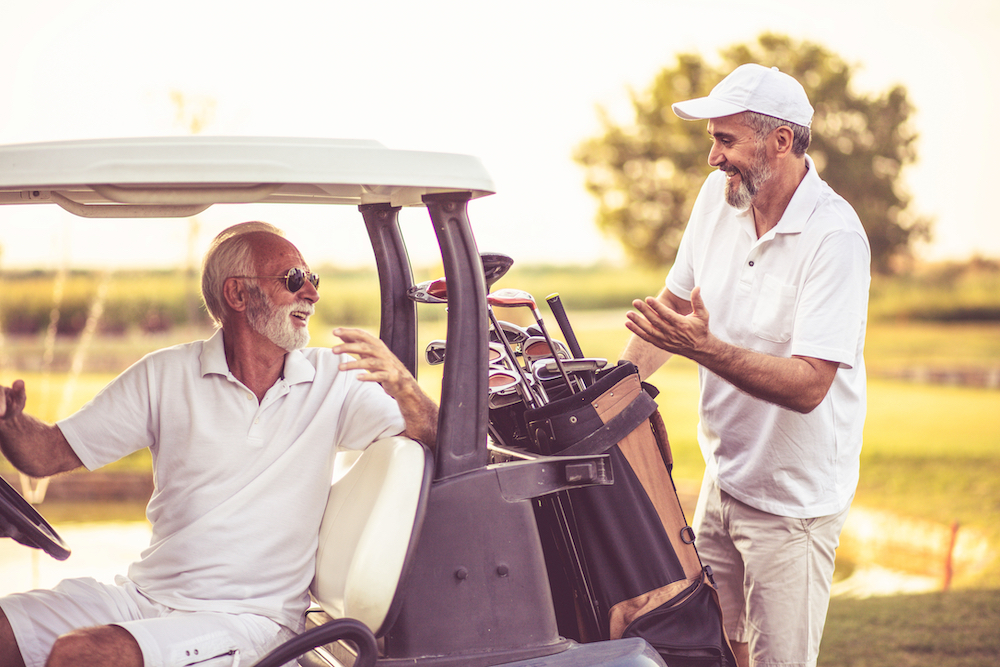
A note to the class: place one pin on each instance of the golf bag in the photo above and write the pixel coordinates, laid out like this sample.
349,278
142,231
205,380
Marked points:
622,558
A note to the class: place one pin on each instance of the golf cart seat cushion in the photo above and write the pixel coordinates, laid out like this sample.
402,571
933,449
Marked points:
366,531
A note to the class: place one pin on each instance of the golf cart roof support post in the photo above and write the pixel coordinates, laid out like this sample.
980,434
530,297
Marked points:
462,422
398,322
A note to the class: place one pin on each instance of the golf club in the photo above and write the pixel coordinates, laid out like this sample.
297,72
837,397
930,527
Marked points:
545,370
513,298
559,312
527,392
562,319
434,354
537,347
429,291
495,265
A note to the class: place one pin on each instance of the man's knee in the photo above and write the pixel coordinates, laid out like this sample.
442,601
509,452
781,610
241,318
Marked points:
104,645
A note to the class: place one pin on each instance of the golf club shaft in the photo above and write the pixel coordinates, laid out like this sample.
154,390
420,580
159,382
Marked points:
562,319
528,394
559,312
552,346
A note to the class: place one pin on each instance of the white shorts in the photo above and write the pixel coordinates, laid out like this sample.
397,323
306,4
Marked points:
773,574
167,637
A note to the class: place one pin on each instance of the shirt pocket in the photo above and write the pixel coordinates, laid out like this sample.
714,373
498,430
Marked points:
774,311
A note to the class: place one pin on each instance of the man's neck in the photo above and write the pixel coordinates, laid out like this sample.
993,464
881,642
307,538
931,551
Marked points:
253,359
770,203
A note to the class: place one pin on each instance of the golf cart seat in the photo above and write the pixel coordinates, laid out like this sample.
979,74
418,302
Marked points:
371,523
369,529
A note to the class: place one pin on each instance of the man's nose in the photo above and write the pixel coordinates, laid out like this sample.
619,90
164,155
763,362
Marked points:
715,156
309,292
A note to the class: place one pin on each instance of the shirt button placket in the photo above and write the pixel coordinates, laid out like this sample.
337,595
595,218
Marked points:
747,272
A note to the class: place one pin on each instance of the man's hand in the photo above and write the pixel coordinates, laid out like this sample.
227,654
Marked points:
375,358
32,446
660,325
381,365
12,400
797,383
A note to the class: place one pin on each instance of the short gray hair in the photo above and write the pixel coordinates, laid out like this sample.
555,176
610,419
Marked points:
230,254
763,125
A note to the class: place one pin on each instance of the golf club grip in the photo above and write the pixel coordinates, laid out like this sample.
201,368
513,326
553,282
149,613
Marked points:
559,312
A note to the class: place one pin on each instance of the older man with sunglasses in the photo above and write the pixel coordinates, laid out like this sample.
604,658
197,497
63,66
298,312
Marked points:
243,428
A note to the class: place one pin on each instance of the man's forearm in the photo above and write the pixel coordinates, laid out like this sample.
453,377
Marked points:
420,413
646,357
796,383
35,448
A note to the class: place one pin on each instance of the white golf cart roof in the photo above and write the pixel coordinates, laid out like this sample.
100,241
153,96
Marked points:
182,176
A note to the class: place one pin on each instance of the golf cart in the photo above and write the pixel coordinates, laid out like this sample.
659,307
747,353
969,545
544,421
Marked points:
436,562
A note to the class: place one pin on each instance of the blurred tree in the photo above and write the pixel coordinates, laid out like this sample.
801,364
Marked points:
646,176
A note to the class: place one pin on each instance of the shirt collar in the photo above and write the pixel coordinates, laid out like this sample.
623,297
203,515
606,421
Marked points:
803,202
213,360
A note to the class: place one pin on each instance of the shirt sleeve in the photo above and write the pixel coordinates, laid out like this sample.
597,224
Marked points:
116,422
833,307
368,415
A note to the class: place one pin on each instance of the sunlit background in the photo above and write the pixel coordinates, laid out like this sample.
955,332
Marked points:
516,84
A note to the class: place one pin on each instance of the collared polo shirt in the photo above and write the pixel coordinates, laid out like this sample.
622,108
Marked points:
801,289
240,485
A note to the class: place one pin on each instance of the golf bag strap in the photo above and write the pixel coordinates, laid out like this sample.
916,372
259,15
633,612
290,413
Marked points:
613,432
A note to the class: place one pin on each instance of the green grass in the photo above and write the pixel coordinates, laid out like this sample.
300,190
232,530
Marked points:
954,629
908,344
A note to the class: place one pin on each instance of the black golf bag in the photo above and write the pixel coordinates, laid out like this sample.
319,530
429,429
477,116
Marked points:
621,558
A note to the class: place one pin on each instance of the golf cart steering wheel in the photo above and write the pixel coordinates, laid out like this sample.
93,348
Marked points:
20,521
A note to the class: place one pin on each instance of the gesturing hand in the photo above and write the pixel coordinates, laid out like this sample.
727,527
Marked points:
376,359
658,324
380,365
12,400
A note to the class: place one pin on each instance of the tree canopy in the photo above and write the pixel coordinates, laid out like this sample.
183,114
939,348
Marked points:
646,175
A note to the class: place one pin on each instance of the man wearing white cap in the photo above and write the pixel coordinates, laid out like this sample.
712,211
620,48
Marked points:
782,263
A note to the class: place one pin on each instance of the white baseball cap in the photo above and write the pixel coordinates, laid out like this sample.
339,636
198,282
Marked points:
756,88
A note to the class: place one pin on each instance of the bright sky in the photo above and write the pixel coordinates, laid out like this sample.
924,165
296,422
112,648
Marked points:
515,83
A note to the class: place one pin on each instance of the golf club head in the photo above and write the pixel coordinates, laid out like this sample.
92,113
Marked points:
495,265
509,297
434,354
429,291
545,370
514,334
538,347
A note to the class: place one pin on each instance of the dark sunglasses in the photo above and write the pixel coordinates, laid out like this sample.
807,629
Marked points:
294,279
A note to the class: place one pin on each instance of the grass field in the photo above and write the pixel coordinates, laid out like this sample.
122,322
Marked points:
954,629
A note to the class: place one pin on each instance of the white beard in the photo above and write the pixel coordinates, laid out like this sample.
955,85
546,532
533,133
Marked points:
275,322
751,181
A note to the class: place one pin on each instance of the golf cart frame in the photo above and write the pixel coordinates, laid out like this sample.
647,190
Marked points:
474,588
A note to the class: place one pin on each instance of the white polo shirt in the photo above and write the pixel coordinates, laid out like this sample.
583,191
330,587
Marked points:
240,487
799,290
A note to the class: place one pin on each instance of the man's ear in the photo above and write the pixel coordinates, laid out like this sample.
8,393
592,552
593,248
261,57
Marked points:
234,294
783,139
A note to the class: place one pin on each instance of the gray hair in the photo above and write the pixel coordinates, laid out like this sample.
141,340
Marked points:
230,254
763,125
